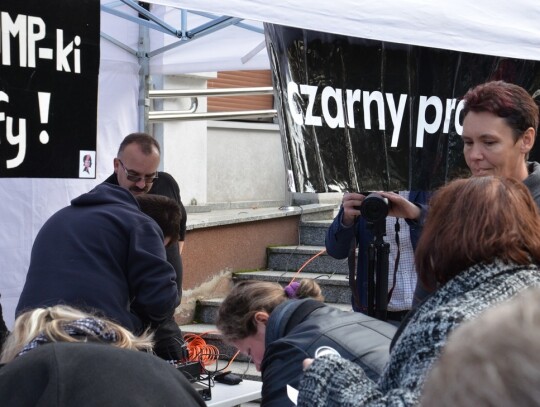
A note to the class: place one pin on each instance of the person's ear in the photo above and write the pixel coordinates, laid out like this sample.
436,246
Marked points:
116,163
262,317
527,140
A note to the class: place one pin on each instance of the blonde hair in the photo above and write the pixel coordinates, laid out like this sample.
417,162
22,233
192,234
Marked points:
51,321
236,316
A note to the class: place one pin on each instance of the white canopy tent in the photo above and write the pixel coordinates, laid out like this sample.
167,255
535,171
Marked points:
184,41
491,27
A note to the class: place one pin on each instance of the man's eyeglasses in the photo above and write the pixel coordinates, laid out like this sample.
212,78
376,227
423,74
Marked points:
136,177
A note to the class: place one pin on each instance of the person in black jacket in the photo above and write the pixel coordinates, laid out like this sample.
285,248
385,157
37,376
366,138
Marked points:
102,254
279,327
93,374
135,169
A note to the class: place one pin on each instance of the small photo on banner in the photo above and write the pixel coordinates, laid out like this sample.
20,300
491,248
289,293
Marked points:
87,168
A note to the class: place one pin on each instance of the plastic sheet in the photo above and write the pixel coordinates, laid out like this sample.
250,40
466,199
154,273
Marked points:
361,115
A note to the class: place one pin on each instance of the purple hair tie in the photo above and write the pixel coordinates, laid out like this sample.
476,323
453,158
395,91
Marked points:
291,289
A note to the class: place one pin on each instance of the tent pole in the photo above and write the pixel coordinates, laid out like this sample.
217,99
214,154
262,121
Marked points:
144,78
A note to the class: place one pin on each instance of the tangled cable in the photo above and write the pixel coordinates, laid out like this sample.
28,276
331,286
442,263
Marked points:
200,351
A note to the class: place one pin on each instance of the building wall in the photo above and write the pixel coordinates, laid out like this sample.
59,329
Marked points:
219,161
241,79
239,246
184,143
245,162
216,162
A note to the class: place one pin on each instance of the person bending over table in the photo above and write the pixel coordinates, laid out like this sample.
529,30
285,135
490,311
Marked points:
279,327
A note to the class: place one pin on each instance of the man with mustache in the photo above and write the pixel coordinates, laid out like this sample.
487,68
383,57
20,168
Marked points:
135,166
135,169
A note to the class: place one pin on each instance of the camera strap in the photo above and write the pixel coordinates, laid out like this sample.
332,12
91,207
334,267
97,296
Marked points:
396,263
351,261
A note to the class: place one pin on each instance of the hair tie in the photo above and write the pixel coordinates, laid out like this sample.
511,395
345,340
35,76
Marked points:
291,289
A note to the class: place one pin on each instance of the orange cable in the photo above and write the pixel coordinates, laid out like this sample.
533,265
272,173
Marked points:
200,351
305,264
232,359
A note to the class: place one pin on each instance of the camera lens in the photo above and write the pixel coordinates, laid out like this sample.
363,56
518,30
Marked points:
375,207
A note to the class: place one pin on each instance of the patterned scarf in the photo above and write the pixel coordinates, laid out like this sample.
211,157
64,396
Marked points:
90,328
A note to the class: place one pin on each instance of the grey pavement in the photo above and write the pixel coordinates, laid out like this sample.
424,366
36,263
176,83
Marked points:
219,217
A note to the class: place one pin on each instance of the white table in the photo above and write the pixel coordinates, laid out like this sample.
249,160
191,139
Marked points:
224,395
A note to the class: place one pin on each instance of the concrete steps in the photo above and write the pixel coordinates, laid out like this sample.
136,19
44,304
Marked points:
335,287
282,264
312,233
289,258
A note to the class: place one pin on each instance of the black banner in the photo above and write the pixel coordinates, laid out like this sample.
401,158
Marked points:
363,115
49,66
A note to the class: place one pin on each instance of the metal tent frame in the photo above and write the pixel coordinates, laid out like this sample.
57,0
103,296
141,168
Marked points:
184,33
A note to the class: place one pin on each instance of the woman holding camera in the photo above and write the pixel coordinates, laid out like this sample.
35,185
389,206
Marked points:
480,246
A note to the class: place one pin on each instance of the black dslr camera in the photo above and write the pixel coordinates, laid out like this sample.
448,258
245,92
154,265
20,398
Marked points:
374,207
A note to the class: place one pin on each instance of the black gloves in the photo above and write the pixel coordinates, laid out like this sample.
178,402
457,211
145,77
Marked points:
169,342
172,349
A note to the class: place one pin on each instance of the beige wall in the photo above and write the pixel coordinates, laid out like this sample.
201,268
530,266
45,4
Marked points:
245,163
240,246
